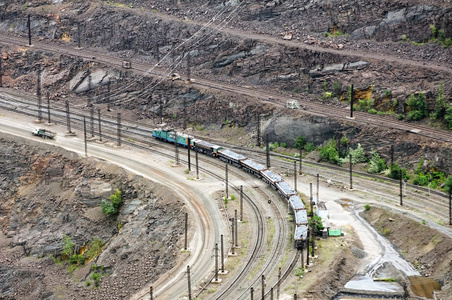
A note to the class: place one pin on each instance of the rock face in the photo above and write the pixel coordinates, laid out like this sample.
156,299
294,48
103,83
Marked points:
50,193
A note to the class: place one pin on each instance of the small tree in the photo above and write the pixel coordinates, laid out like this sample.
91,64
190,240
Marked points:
448,117
68,246
448,184
376,163
316,224
358,155
418,107
111,207
300,142
329,153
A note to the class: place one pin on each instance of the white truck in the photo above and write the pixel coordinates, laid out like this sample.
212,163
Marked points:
44,133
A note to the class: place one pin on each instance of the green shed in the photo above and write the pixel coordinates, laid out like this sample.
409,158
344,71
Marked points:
334,232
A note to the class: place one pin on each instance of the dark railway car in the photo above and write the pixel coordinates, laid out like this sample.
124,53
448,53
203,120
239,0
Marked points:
231,157
205,147
296,203
253,167
271,178
285,189
300,235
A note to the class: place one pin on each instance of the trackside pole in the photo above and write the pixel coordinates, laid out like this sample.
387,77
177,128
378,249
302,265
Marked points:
186,231
189,284
84,136
100,127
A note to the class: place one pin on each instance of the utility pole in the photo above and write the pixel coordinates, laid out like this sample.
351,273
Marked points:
84,137
236,230
68,117
279,283
151,297
227,192
176,148
252,293
119,129
90,82
1,70
258,130
301,160
392,156
100,127
29,30
263,287
189,157
216,262
189,284
48,107
186,231
318,183
310,197
91,113
351,101
197,167
38,93
401,194
233,235
450,206
351,180
307,247
222,255
241,203
295,174
268,151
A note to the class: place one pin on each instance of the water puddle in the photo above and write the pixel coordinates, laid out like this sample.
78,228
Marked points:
366,283
424,287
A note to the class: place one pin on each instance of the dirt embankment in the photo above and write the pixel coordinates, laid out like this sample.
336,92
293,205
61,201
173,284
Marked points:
427,249
48,193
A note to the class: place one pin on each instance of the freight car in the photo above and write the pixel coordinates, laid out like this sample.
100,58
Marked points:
240,161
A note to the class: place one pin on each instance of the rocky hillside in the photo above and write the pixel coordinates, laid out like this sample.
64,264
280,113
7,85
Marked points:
264,45
48,194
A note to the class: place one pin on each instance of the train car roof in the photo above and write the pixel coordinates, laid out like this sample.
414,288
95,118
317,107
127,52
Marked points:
301,217
286,188
205,144
271,175
254,165
296,202
232,154
301,232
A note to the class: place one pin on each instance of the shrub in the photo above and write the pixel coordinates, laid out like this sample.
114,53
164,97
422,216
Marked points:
388,93
400,116
423,222
309,147
111,207
404,38
418,107
376,163
232,197
358,155
448,184
68,246
283,145
395,172
94,248
329,153
420,179
87,283
367,207
448,117
386,232
96,277
372,111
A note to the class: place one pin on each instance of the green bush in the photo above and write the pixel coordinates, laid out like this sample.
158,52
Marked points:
329,153
94,248
417,106
372,111
400,117
358,155
448,184
395,172
68,246
111,207
96,277
316,223
367,207
232,197
420,179
376,163
448,117
309,147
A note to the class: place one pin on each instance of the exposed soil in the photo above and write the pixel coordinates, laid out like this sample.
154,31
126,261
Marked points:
424,247
48,192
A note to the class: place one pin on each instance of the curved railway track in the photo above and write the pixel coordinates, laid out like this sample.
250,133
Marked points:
136,130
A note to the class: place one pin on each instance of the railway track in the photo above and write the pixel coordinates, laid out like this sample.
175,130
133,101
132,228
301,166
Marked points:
312,106
420,195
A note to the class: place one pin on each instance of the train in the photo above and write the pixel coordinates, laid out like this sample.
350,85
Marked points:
240,161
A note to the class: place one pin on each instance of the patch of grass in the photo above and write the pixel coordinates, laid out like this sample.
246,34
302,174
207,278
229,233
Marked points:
389,279
96,277
299,271
386,232
87,283
367,207
423,222
232,197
